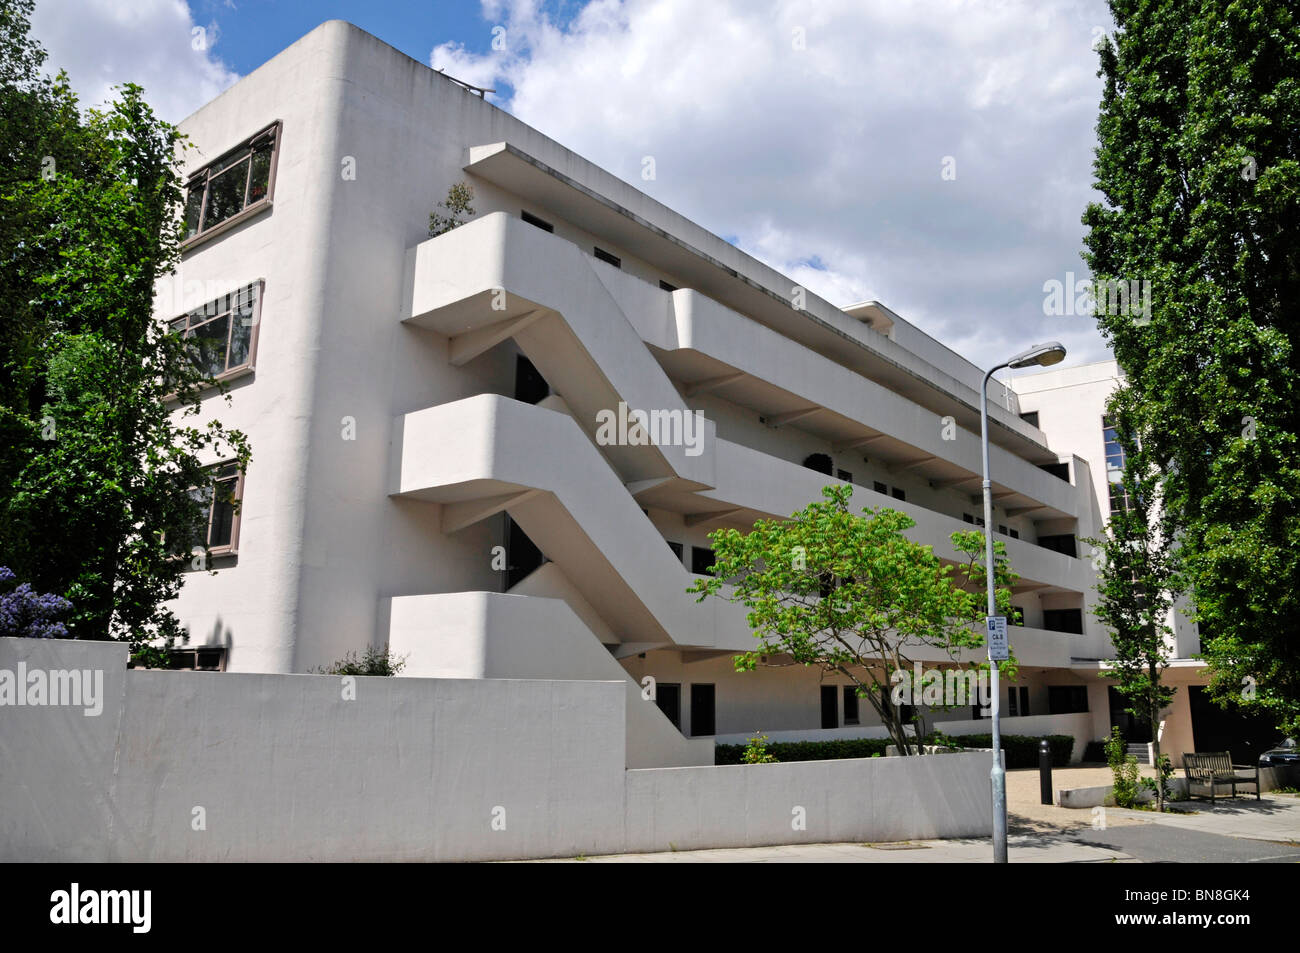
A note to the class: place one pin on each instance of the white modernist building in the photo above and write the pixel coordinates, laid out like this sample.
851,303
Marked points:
424,415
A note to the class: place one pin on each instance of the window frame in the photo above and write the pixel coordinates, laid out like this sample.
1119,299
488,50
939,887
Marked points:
204,173
258,287
231,548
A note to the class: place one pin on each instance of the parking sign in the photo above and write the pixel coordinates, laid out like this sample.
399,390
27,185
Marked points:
999,649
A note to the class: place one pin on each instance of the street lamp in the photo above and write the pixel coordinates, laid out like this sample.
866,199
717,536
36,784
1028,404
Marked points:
1043,355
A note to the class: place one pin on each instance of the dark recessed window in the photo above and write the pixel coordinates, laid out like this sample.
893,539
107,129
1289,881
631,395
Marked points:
820,462
1030,418
879,487
530,385
1060,543
898,494
844,475
665,286
702,710
668,696
850,705
1018,701
676,548
1063,620
702,560
607,258
1014,533
239,182
222,335
537,222
1066,699
968,518
830,707
1002,529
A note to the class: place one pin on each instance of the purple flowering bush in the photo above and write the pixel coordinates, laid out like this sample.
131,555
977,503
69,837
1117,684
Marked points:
27,614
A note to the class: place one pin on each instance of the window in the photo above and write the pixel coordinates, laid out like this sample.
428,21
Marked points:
607,258
1066,699
968,518
537,222
820,462
1119,498
668,696
830,707
850,705
879,487
1030,417
676,548
222,334
530,385
898,494
1017,701
1060,543
1059,470
1063,620
1002,529
1014,533
665,286
702,560
204,659
702,710
217,510
844,475
234,187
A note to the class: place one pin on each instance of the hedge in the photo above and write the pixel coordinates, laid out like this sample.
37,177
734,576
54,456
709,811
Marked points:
1022,750
809,750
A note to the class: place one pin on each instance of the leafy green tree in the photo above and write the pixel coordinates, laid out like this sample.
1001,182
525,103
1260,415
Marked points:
851,594
1139,580
1198,164
99,457
455,205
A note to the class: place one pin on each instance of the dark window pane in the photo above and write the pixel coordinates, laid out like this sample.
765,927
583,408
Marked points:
260,180
241,338
899,494
702,560
702,710
879,487
223,514
225,195
850,705
193,206
210,340
669,699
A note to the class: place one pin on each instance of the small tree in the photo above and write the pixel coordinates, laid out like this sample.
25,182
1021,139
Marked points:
1123,769
1139,580
456,204
852,595
756,752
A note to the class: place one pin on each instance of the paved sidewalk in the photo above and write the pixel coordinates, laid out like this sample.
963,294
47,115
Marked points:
1275,817
1020,849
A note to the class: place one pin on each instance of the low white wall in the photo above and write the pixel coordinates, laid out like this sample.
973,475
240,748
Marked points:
287,768
861,799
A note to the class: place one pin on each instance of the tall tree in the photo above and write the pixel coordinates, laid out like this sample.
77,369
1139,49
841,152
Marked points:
1139,580
1199,165
851,595
99,461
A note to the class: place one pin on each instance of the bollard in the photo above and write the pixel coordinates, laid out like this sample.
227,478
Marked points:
1045,772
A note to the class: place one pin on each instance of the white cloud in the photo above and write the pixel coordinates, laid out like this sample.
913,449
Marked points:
154,43
831,153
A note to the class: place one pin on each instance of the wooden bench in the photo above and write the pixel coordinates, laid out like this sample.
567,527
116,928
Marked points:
1215,768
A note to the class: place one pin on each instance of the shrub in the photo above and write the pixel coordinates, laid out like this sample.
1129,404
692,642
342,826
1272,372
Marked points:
373,661
1124,768
456,204
26,614
756,752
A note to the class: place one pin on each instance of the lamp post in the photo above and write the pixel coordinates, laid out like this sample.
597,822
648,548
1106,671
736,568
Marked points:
1044,355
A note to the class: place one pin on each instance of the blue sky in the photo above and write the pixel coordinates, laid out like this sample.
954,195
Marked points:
934,155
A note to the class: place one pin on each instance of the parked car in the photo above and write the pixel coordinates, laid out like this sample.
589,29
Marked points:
1286,753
